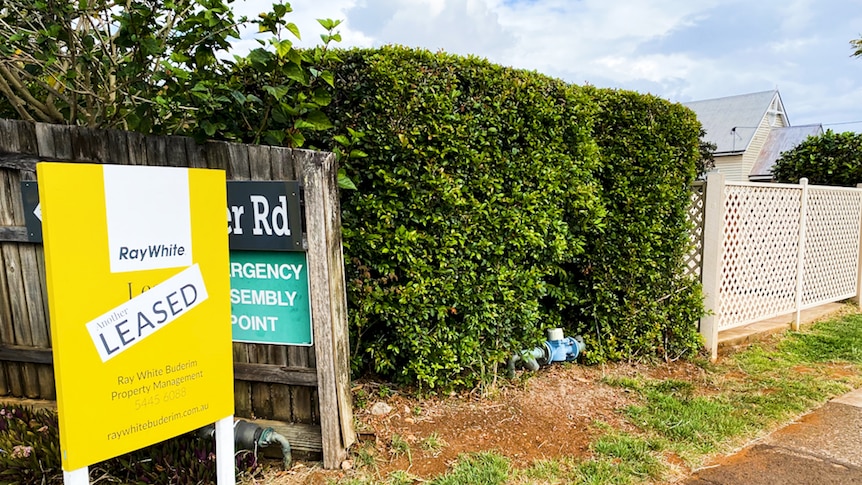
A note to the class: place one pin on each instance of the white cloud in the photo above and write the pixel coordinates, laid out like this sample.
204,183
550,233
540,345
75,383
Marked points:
791,45
457,26
305,14
678,49
652,68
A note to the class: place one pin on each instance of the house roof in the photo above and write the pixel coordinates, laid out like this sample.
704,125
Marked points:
779,141
730,122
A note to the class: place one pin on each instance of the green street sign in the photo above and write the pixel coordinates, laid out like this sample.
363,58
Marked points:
269,297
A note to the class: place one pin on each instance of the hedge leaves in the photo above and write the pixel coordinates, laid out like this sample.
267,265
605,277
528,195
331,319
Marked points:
494,203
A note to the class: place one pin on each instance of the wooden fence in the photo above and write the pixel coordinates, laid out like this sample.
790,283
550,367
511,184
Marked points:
302,392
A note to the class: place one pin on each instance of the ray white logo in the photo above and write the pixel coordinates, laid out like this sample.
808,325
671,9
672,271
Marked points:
148,216
126,325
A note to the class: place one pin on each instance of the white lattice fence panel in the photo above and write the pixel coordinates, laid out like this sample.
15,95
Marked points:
831,245
694,257
760,251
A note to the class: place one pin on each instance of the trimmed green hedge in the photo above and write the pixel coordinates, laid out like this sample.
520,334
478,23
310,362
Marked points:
494,203
829,159
636,301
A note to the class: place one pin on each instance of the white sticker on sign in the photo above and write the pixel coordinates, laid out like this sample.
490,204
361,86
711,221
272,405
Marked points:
149,217
126,325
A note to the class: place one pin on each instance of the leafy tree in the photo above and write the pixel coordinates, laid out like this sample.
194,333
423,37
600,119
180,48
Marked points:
828,159
706,161
161,67
856,45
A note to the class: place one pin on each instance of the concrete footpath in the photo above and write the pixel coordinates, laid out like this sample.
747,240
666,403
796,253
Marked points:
823,447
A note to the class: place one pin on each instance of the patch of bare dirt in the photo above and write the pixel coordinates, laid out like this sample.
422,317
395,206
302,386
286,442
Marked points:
552,414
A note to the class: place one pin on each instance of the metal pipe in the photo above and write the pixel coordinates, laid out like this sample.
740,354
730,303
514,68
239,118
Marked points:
556,349
269,437
249,436
531,359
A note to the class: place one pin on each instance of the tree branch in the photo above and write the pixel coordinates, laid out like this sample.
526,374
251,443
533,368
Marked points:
15,83
15,101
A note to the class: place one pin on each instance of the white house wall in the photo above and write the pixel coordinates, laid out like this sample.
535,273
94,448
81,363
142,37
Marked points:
732,168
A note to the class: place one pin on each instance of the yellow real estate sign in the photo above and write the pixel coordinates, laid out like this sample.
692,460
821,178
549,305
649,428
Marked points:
138,292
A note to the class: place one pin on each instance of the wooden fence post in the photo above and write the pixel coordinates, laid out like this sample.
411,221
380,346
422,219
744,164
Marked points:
713,247
328,303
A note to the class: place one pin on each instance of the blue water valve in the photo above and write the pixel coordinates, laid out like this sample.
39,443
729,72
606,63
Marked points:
556,349
563,349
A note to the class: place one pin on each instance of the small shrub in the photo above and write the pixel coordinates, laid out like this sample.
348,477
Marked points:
30,454
829,159
29,445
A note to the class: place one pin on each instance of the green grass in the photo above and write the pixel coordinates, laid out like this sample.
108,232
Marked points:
477,469
832,341
365,456
741,396
434,444
399,446
633,458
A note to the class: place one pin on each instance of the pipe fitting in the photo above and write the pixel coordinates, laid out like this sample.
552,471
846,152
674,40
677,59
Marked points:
249,436
556,349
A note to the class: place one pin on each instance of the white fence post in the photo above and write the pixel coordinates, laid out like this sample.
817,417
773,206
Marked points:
713,242
858,298
800,263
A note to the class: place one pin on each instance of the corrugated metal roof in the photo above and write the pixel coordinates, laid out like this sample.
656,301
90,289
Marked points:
779,141
730,122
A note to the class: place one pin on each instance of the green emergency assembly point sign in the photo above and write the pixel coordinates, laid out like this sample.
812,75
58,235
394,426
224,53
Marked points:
269,297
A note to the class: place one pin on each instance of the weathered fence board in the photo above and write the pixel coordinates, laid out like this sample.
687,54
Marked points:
259,167
324,252
297,388
6,329
13,234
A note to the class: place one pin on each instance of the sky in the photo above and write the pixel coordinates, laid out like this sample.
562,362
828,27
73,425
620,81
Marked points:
680,50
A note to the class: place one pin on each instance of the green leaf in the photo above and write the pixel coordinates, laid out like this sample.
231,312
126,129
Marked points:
318,120
344,181
295,139
238,97
321,97
329,24
328,77
208,127
295,56
259,57
296,73
277,92
293,30
283,48
279,116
